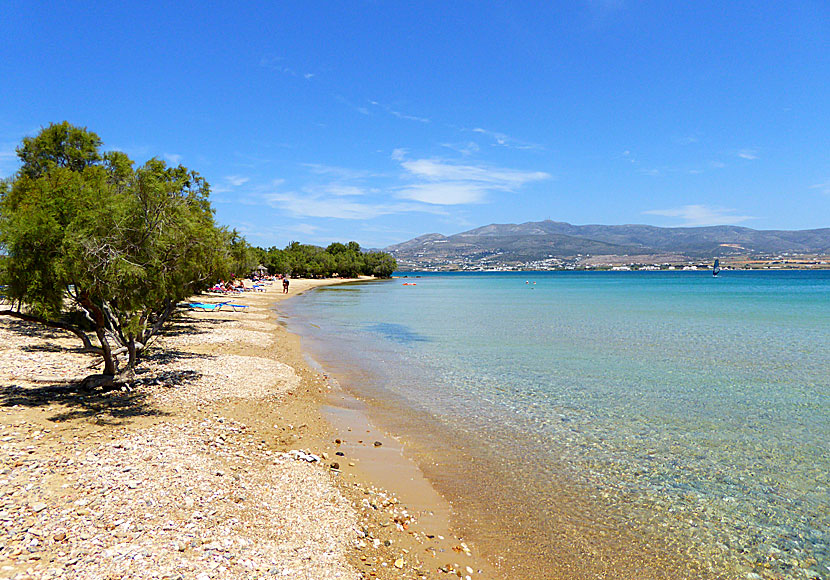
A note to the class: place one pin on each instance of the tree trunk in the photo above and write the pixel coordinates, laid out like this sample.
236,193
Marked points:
108,382
133,354
110,362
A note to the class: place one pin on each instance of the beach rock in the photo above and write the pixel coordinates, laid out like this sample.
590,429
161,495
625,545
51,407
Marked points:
377,443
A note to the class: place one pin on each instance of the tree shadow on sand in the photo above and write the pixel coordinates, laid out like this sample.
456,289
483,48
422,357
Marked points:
164,368
188,326
33,330
106,408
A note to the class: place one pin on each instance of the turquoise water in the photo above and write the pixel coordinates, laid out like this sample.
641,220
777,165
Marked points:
691,406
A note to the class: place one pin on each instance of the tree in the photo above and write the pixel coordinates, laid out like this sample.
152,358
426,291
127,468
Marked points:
244,257
380,264
87,234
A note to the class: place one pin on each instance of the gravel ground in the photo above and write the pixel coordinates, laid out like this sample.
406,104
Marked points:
213,465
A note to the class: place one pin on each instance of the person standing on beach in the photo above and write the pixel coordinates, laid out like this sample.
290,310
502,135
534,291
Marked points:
285,285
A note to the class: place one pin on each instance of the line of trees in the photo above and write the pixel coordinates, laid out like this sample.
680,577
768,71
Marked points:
92,244
308,261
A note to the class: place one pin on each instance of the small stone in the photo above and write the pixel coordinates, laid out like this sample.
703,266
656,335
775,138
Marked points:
399,563
335,465
38,506
377,443
59,537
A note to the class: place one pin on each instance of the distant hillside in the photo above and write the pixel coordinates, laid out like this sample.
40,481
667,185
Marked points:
509,244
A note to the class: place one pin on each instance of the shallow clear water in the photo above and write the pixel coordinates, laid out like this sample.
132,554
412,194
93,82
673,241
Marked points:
691,406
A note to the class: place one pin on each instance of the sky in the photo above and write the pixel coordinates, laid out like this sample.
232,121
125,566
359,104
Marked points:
381,121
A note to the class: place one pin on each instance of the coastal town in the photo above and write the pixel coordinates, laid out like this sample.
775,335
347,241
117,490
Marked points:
495,263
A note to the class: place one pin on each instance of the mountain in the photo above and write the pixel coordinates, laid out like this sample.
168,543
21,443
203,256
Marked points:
556,243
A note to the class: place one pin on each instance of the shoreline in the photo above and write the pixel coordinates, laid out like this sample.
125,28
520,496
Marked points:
200,471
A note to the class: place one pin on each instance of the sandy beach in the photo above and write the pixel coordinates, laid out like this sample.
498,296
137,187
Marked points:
230,457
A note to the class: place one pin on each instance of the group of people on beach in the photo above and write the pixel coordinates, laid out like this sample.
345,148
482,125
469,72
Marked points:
237,285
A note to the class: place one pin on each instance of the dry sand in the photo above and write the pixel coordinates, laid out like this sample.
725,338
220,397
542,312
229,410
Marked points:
217,464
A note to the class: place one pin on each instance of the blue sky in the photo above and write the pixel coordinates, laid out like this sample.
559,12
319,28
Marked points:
381,121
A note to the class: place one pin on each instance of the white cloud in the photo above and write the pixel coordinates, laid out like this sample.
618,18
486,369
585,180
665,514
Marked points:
338,172
319,206
465,149
492,177
306,229
822,187
173,158
237,180
750,154
701,215
502,140
399,114
446,193
442,183
341,190
399,154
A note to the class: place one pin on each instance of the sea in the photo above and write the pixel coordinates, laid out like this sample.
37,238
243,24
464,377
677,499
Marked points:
665,424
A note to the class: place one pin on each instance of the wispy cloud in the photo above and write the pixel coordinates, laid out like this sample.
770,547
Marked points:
466,148
338,172
398,114
686,139
229,183
749,154
173,158
447,193
317,205
492,176
701,215
237,180
280,64
348,103
8,159
443,183
503,140
822,187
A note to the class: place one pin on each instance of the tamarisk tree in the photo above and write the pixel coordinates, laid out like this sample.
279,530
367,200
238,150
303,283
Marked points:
96,246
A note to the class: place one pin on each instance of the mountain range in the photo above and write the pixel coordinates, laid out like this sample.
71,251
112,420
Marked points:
552,242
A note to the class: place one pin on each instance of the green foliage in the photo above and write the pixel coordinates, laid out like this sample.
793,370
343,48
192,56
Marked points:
244,257
87,231
337,259
59,145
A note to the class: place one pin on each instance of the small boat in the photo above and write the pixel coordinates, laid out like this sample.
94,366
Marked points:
716,268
